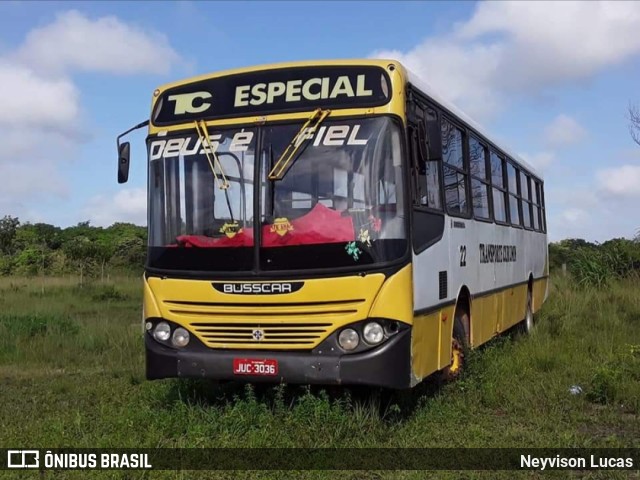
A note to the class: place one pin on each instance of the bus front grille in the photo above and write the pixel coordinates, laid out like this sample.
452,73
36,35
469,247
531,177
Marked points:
293,325
260,334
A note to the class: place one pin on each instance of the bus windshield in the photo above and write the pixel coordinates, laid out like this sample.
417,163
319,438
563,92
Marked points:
339,203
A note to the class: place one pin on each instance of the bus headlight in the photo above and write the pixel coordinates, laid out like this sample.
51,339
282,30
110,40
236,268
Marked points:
373,333
162,332
180,337
348,339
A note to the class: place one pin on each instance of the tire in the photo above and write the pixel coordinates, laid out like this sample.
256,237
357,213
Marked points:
527,324
459,346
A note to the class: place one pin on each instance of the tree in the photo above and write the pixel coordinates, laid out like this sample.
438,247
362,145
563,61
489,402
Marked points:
130,252
30,260
81,250
25,237
8,227
104,250
634,122
48,234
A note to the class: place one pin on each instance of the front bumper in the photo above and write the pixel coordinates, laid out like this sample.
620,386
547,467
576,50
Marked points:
388,365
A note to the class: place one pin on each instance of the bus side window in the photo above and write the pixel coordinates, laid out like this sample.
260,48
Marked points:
499,190
536,206
455,173
544,210
525,193
514,201
538,209
479,180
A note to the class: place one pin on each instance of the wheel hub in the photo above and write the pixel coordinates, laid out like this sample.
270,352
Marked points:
457,358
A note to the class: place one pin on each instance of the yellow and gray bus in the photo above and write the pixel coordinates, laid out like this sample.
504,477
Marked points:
330,222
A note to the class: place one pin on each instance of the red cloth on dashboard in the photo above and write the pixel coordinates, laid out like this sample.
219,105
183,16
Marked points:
242,239
320,225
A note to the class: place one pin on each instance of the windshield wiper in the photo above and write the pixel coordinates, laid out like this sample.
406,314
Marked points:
212,158
290,153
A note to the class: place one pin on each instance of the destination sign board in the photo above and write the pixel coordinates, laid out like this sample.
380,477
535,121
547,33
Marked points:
274,91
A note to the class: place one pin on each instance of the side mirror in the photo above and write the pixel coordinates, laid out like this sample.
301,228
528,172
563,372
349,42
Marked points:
123,162
434,139
419,148
429,143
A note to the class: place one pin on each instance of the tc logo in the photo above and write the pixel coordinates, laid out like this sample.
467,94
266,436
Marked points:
186,102
23,458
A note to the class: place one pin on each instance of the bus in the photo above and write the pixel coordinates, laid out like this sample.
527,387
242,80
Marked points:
330,222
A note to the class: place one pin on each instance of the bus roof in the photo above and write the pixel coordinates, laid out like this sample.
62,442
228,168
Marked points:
429,90
279,65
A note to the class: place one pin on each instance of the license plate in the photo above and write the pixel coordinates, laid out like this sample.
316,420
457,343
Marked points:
255,366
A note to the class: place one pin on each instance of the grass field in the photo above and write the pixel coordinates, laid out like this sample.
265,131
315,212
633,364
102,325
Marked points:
72,375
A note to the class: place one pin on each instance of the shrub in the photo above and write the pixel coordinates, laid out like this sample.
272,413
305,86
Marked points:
592,268
108,293
6,264
32,325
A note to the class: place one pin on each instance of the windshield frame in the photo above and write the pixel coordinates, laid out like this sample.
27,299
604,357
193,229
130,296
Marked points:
262,155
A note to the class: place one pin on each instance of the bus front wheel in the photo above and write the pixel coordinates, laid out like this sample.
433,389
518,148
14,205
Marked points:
459,345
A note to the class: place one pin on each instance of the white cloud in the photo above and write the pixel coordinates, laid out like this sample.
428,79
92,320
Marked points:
623,181
30,157
30,100
41,123
629,153
28,181
573,223
42,119
76,42
546,44
128,205
461,73
574,215
37,178
584,208
523,48
562,195
563,131
38,92
540,161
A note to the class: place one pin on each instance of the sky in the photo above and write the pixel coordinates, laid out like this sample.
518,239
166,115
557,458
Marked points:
552,81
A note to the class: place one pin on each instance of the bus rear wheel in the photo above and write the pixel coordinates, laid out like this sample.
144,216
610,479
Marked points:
527,323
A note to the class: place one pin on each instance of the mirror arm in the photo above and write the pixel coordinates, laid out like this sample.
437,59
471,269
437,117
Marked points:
140,125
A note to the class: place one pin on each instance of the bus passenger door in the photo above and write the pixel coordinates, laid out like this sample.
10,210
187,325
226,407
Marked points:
429,240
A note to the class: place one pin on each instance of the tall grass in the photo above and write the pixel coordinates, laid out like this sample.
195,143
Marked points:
598,267
72,374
